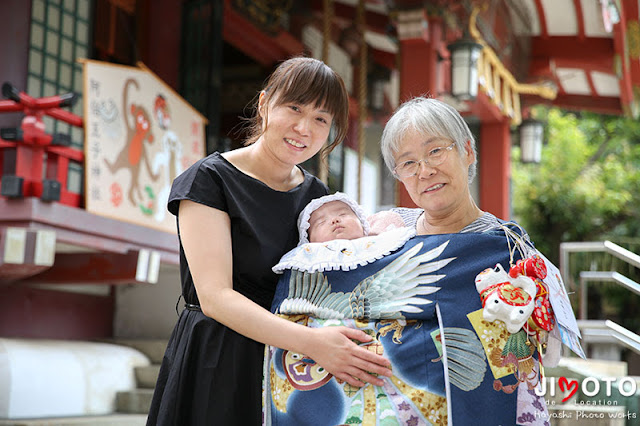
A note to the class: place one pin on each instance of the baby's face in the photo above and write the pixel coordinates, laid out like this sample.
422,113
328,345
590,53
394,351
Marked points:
332,221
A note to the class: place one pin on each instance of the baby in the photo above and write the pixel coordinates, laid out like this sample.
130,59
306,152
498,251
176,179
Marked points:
331,217
335,233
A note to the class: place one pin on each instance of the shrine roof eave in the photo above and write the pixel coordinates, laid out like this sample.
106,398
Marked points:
246,37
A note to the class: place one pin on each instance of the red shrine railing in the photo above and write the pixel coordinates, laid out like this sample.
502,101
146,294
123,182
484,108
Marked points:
34,163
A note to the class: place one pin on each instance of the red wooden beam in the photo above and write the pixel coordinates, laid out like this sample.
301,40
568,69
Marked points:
374,21
540,68
592,86
585,53
577,5
11,272
70,153
484,108
67,116
9,106
544,66
632,12
621,49
6,144
495,168
90,268
541,19
599,104
29,312
58,158
544,69
620,42
245,36
386,59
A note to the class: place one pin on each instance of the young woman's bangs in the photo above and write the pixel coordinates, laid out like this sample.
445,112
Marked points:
313,88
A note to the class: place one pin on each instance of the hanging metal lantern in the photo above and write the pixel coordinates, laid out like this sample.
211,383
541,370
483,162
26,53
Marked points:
464,70
531,132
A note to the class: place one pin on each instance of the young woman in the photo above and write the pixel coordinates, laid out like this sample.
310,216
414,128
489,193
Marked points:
236,217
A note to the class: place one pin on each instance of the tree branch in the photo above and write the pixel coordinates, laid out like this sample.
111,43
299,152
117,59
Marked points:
601,149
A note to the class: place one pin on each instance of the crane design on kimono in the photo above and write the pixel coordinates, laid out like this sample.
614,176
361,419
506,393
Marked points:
396,288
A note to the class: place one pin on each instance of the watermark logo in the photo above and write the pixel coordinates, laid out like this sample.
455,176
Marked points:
572,387
591,386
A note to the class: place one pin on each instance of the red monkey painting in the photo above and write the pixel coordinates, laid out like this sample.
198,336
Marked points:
133,154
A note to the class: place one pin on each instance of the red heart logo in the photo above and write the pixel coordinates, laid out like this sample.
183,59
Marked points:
572,387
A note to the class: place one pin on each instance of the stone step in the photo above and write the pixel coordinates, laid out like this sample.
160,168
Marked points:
107,420
152,348
147,376
580,368
134,402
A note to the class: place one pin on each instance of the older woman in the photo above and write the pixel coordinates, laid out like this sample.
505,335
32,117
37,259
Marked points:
427,146
438,302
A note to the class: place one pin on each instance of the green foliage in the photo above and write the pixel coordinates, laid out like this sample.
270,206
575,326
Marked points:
586,186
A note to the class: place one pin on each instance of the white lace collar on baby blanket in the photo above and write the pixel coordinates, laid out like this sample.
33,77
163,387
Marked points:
343,254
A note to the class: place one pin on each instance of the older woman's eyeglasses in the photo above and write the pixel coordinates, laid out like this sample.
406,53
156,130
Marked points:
435,157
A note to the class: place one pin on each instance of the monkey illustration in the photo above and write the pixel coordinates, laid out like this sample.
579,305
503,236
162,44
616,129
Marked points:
169,157
133,153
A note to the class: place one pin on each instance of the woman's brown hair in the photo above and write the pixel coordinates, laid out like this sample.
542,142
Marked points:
306,81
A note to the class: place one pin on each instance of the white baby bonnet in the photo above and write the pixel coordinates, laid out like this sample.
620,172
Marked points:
303,219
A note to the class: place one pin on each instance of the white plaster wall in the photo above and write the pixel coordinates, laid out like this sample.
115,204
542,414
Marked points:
369,184
49,378
148,311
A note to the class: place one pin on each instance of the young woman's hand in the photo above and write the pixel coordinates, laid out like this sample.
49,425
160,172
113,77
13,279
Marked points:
335,350
211,268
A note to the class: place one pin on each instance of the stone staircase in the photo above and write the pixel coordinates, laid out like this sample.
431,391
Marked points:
138,401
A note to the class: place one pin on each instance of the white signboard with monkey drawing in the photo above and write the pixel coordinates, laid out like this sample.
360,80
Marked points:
139,135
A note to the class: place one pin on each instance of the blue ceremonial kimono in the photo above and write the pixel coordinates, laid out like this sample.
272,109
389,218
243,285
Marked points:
411,301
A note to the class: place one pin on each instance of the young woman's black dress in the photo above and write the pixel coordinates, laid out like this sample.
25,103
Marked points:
210,374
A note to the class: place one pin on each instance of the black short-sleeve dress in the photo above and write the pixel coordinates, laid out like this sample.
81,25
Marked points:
210,374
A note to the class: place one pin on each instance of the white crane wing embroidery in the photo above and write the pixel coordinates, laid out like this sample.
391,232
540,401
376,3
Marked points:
396,287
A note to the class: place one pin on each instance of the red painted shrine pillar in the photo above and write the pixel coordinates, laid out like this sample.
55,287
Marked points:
494,171
419,40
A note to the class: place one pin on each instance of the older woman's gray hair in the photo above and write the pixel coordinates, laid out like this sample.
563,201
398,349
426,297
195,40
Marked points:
431,117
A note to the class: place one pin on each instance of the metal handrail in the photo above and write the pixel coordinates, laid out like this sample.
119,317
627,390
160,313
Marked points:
609,331
603,246
600,276
626,337
616,331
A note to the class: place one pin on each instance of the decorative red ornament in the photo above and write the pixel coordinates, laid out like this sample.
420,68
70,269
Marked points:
533,267
516,270
542,314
